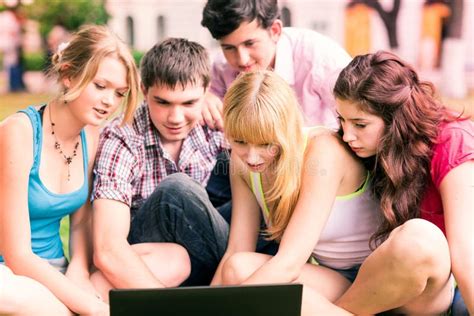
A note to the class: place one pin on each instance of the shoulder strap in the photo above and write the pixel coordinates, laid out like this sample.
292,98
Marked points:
256,183
35,119
85,153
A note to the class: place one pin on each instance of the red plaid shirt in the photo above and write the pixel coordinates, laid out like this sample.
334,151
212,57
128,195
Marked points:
131,161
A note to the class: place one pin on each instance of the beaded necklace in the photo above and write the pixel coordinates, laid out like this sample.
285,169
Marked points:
57,146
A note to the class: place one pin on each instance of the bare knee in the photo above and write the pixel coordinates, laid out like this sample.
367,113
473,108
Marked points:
8,301
169,262
15,290
181,265
418,241
238,268
419,250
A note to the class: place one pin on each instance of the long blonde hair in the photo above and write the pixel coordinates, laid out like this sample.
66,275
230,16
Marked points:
261,108
83,54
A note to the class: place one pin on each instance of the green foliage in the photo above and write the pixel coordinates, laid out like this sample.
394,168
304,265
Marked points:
69,13
64,234
34,61
137,55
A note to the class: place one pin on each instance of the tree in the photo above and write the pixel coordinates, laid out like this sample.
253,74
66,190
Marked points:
454,54
70,14
454,28
389,18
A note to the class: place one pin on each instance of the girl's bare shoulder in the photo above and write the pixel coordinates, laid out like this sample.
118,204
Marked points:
16,128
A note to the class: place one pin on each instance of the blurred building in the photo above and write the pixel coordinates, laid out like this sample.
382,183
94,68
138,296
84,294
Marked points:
142,23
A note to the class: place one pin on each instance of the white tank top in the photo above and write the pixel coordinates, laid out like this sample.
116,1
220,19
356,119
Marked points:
344,241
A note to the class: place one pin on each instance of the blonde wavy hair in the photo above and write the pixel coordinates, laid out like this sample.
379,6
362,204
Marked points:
80,58
261,108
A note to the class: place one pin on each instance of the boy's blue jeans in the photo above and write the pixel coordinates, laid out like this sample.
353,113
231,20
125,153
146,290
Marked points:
458,308
179,211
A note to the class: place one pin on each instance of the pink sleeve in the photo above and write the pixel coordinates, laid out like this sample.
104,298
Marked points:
219,71
217,85
455,146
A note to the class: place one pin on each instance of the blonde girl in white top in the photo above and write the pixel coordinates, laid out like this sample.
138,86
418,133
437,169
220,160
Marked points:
304,183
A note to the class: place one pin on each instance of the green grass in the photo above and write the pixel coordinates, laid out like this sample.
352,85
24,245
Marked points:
64,232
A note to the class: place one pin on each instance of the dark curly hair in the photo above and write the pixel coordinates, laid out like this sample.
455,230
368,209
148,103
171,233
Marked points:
384,85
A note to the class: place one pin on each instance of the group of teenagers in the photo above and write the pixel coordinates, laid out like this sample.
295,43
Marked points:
347,175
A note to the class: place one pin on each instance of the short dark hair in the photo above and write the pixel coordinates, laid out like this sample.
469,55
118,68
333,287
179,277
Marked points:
175,61
222,17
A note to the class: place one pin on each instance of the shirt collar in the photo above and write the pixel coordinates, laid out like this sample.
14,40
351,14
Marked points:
151,134
284,66
152,137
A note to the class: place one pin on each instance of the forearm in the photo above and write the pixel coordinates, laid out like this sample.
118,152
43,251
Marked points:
275,271
464,274
80,249
124,268
288,262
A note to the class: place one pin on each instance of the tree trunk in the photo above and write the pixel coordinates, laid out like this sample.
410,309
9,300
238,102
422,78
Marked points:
454,28
454,55
389,19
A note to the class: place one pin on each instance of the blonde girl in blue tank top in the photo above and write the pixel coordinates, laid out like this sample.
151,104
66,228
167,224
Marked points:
47,153
308,187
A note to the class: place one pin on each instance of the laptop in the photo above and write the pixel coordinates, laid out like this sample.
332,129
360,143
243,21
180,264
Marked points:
242,300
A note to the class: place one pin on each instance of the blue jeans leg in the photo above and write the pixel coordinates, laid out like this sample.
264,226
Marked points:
458,308
218,186
16,78
179,211
226,211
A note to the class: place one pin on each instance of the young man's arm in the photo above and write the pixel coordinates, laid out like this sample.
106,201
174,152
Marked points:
113,255
118,162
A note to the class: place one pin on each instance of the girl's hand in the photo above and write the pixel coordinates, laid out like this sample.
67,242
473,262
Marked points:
83,281
99,308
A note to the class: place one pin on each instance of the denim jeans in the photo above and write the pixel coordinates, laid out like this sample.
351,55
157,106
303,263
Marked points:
458,307
179,211
218,186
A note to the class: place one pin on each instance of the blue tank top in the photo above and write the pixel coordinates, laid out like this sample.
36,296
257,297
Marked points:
46,208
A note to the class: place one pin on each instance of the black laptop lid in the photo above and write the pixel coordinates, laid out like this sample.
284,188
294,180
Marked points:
278,299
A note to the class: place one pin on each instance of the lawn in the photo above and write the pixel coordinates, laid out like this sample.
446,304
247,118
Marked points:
12,102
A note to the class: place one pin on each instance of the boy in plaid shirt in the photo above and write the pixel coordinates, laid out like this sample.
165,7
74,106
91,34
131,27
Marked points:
154,225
